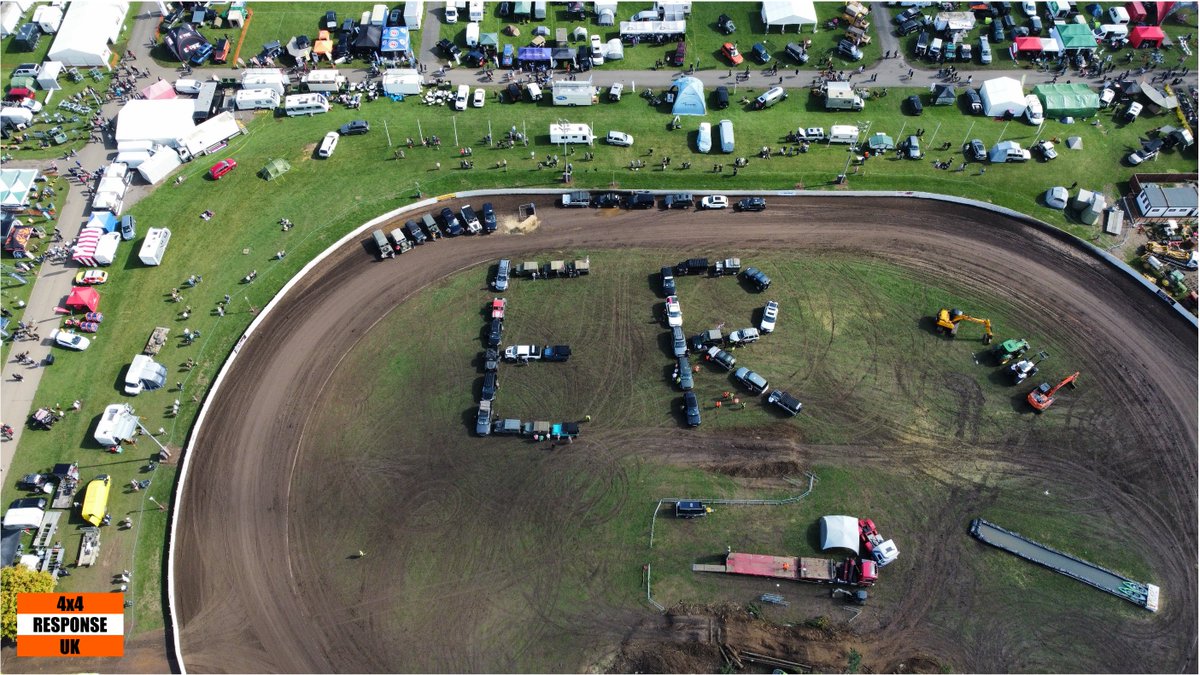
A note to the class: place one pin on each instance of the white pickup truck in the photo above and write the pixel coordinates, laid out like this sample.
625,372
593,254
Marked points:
523,353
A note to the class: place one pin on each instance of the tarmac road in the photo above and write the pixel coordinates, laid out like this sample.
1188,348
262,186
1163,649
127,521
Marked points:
249,600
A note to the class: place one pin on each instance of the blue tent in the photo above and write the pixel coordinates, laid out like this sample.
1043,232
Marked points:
690,99
394,39
533,54
104,220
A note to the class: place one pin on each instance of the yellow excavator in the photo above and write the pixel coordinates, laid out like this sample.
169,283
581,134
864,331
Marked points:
948,320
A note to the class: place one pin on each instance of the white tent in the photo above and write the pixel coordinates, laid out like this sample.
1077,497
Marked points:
614,50
133,158
106,248
10,18
48,77
48,18
784,13
606,12
86,30
1001,96
14,187
162,121
159,165
401,81
839,532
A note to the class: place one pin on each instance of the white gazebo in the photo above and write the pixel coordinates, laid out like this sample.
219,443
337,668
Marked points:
162,121
87,29
839,532
784,13
1002,96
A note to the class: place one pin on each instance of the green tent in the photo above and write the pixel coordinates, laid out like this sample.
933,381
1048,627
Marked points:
274,169
1076,36
1063,100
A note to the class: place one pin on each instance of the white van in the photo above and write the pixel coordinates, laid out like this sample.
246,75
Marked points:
473,34
256,99
461,98
534,90
704,138
451,12
985,50
725,130
1033,110
305,104
1112,31
843,133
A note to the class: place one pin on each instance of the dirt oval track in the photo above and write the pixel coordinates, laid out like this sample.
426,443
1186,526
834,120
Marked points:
250,600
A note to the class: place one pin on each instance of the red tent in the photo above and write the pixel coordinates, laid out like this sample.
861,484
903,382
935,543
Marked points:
83,299
1137,11
1159,11
1143,36
1028,44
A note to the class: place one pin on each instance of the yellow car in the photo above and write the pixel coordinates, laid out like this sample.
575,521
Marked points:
91,277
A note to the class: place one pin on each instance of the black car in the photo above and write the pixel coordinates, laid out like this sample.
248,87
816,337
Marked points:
720,98
756,278
354,128
576,11
341,48
974,102
349,26
491,360
32,482
329,22
607,200
490,384
752,204
414,232
668,281
448,48
786,401
691,409
504,10
640,200
512,93
495,333
28,503
975,150
911,26
488,218
997,32
583,56
725,24
450,221
907,15
914,105
395,17
682,200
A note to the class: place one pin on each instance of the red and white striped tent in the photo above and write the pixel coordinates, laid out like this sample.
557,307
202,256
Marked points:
85,250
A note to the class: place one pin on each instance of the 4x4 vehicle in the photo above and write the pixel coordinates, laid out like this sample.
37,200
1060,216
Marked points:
786,401
751,380
850,50
668,281
725,24
448,48
607,200
673,311
355,128
684,368
491,360
759,53
471,220
756,278
453,227
682,200
640,200
495,333
488,215
769,317
721,358
414,232
577,200
490,384
743,337
752,204
975,150
691,409
678,342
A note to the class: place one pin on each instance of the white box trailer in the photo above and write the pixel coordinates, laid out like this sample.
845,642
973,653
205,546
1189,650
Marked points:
378,15
305,104
324,81
159,165
565,132
414,11
843,133
108,201
265,78
118,423
401,81
567,92
155,245
18,117
256,99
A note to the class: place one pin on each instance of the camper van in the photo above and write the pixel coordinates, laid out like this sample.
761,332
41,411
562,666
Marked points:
144,374
725,131
704,138
305,104
324,81
566,132
154,245
475,10
985,50
1033,110
461,97
843,133
473,34
1112,31
256,99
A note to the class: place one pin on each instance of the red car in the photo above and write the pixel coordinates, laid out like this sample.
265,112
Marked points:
731,52
221,168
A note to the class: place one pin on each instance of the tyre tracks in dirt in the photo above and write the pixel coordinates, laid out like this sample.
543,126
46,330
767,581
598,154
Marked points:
241,610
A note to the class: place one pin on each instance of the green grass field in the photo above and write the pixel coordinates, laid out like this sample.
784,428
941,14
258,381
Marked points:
922,502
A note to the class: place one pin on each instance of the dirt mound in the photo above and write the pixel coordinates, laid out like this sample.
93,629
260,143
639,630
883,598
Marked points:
510,225
761,469
914,664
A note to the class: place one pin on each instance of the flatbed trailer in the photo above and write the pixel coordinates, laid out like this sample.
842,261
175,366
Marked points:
158,338
1143,595
849,572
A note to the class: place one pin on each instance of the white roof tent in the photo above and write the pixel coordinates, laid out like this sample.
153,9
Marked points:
401,81
24,518
86,30
653,27
839,532
159,165
784,13
48,78
162,121
1002,96
14,187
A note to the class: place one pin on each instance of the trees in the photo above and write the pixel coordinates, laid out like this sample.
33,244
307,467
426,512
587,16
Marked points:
15,580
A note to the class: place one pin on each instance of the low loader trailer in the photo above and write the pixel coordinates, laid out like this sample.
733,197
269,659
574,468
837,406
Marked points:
848,572
1142,595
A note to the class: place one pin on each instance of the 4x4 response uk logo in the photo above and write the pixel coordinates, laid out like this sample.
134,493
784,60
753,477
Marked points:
59,624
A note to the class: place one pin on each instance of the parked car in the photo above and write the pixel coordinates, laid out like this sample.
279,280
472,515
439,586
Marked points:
91,277
914,105
1148,151
478,98
414,232
470,220
329,22
69,340
640,200
450,222
730,51
756,278
751,380
743,337
607,200
786,401
512,93
448,48
504,9
912,147
483,418
395,17
221,168
679,56
975,150
911,26
725,24
850,50
619,138
720,98
770,315
721,358
906,15
682,200
796,52
1056,197
759,53
685,379
752,204
451,14
668,281
328,144
1045,150
490,384
33,482
673,311
691,409
187,86
488,214
678,342
714,202
355,128
495,333
974,102
1132,112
